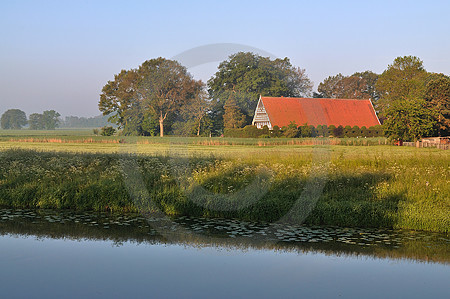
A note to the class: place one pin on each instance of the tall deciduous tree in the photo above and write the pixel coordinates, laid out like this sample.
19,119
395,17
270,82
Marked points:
158,88
403,80
164,87
194,118
409,120
119,96
13,119
248,76
438,99
50,119
357,86
36,121
328,88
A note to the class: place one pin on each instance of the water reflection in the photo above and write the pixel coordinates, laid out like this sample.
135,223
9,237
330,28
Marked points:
225,233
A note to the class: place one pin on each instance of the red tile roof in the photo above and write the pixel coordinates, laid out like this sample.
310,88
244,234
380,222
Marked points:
316,112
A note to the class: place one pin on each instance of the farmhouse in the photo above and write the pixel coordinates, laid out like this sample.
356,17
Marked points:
281,111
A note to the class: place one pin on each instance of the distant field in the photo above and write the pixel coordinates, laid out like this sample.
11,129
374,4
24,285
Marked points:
43,133
85,141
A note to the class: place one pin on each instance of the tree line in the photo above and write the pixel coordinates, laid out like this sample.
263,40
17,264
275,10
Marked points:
49,120
16,119
85,122
161,96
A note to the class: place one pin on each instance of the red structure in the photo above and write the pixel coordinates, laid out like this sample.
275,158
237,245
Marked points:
280,111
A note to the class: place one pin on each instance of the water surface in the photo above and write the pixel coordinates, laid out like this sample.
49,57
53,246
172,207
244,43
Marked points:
66,254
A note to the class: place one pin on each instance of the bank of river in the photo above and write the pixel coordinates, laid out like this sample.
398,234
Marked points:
378,187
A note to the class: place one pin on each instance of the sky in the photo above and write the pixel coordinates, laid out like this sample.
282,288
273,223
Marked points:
59,54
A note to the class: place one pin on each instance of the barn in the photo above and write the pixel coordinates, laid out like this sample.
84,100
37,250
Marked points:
281,111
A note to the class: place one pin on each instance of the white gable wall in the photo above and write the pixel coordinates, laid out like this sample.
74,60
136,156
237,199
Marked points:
261,117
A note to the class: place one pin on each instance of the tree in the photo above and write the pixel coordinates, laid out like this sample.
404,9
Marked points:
248,76
403,80
50,119
13,119
233,117
409,120
356,86
165,86
193,118
370,80
118,97
438,99
158,88
36,121
327,88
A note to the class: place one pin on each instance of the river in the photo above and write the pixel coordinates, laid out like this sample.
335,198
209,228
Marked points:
67,254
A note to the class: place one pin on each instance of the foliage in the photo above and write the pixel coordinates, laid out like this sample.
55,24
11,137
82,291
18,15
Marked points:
248,76
194,117
233,117
438,100
338,131
306,131
118,97
165,86
291,130
276,131
409,120
13,119
159,88
36,121
246,132
107,131
50,119
403,80
357,86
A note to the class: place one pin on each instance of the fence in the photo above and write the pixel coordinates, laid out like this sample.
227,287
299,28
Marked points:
427,144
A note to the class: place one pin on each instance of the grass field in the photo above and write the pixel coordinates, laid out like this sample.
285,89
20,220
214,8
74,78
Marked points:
366,186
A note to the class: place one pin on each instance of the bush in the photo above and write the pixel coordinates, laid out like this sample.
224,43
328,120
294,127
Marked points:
339,131
331,129
291,131
107,131
276,131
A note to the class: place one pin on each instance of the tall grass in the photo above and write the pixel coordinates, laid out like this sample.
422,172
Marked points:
363,186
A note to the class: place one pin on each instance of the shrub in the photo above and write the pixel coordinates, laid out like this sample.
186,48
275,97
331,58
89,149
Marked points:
276,131
107,131
291,131
339,131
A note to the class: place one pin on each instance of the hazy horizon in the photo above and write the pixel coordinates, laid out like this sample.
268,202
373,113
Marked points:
59,55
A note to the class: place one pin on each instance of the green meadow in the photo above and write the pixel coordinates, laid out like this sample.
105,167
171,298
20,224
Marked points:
348,182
